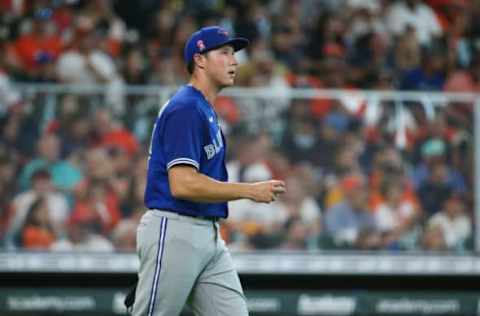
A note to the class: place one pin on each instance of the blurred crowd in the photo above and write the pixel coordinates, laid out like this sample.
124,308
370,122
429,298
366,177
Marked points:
73,167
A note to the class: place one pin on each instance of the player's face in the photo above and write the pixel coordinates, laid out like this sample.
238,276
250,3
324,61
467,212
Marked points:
221,65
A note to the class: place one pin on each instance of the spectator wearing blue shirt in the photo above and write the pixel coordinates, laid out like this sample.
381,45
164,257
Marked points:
349,222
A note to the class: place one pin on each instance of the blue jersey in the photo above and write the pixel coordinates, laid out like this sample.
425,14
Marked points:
186,132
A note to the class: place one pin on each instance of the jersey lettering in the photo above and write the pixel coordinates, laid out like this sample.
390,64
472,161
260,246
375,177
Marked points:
212,149
218,143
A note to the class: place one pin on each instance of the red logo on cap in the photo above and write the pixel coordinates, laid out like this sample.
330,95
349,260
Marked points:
200,45
223,32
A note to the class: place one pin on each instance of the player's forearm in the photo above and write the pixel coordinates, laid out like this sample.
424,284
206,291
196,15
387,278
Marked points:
200,188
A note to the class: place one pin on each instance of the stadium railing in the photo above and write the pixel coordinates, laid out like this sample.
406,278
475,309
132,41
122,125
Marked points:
277,262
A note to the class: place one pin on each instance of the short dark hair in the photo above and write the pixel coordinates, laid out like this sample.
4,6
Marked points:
191,67
191,64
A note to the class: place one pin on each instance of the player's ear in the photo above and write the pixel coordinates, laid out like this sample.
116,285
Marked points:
199,60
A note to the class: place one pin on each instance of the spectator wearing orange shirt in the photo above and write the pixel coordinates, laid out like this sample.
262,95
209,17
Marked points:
37,232
97,202
111,134
388,163
39,48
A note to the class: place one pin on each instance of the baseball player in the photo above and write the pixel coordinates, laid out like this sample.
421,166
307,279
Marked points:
183,259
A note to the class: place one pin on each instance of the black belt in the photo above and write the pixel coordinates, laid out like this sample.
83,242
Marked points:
207,218
202,217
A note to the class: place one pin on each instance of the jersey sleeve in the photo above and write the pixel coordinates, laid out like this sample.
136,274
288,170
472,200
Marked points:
184,130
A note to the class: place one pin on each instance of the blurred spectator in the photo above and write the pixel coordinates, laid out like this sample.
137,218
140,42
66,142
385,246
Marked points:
350,223
228,113
300,139
288,38
250,163
97,166
72,126
245,22
7,191
136,14
122,187
9,96
346,162
42,187
434,153
429,76
435,190
365,17
278,164
132,189
327,43
303,221
407,51
465,80
297,235
110,134
416,14
397,218
458,38
368,55
86,63
124,235
250,227
167,69
387,164
39,46
351,44
135,67
83,235
64,174
262,70
63,15
454,224
37,232
97,202
102,16
328,145
19,134
433,239
252,224
447,11
7,168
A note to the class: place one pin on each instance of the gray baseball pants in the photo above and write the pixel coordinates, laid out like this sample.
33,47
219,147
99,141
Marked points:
183,260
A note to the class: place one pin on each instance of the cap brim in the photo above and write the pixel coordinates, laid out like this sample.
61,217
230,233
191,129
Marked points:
237,43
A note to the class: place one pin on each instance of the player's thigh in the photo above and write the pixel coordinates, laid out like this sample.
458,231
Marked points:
218,291
215,300
167,268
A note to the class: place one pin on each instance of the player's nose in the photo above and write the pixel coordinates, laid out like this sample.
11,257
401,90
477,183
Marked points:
233,60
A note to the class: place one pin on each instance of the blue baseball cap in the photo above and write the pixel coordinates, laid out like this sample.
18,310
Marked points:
208,38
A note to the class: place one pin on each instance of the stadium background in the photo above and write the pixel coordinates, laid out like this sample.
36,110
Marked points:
357,104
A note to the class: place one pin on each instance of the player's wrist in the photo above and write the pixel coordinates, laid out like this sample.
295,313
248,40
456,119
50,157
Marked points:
248,191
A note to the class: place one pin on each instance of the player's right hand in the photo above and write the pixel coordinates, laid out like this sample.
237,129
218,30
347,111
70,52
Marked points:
267,191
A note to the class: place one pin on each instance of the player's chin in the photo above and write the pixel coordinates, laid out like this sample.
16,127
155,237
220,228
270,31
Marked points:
228,82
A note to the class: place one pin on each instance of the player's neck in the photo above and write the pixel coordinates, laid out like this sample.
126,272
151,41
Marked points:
206,87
